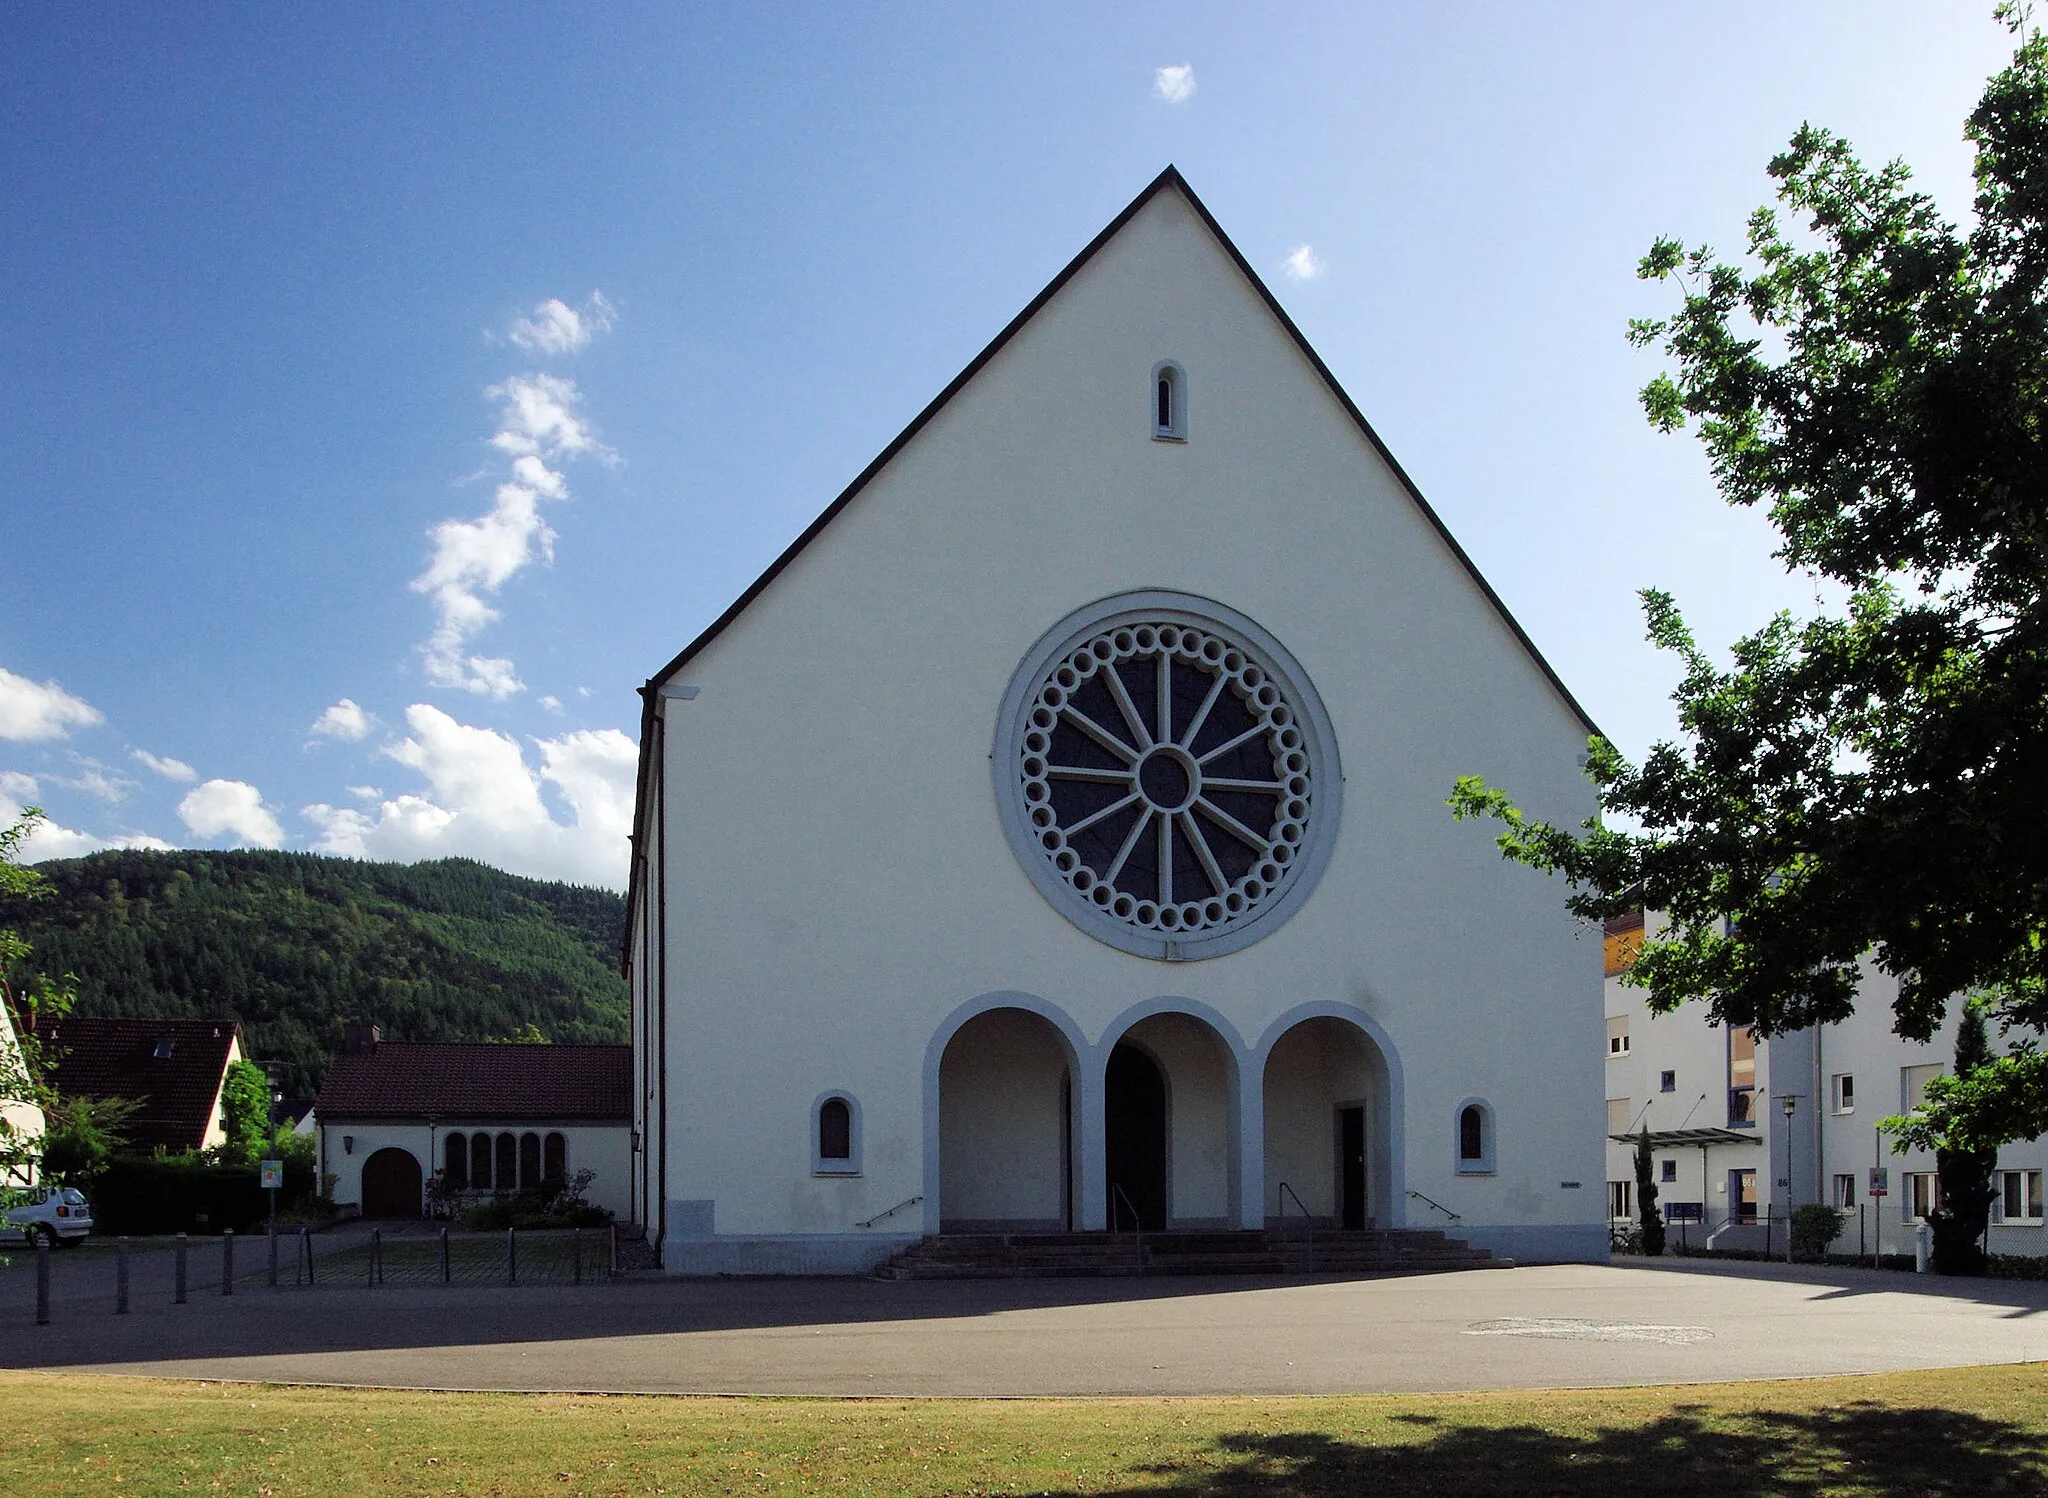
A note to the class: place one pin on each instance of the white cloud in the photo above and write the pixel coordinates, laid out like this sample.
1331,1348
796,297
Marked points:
484,799
96,780
51,840
557,328
170,769
1304,264
30,711
364,792
233,808
1176,85
538,423
552,704
345,721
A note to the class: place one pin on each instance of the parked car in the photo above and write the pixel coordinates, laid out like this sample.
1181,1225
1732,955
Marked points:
60,1214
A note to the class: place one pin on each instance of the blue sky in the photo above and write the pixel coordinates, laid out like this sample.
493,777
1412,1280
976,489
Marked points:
387,392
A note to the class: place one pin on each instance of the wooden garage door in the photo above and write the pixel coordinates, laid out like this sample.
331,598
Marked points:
391,1184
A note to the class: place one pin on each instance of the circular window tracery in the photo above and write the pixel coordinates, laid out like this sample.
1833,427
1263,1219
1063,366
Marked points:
1167,775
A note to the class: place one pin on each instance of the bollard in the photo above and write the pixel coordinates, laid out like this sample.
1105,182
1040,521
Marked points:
1923,1248
306,1247
178,1296
42,1280
376,1248
120,1276
511,1256
576,1248
273,1256
227,1261
444,1255
611,1260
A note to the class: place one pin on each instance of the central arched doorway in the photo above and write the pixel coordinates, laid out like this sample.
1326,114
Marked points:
1134,1138
391,1184
1329,1127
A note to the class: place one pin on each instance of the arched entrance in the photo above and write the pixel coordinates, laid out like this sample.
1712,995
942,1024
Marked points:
1006,1104
1134,1139
1329,1133
391,1184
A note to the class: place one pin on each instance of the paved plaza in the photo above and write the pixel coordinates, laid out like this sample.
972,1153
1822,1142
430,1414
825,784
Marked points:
1562,1325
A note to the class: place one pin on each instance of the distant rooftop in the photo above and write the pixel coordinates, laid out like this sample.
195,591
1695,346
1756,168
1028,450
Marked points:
480,1081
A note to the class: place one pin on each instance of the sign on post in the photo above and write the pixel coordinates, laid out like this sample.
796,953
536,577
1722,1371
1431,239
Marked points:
273,1174
1880,1180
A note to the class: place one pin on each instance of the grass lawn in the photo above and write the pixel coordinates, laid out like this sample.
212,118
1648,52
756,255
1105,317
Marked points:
1977,1431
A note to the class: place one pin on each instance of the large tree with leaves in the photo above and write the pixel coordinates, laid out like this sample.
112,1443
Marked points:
24,1069
1874,779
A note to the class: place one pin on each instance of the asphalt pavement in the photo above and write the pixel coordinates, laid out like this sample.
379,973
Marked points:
1630,1322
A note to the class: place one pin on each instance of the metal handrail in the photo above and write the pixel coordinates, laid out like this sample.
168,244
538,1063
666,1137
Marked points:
908,1201
1116,1194
1285,1192
1426,1201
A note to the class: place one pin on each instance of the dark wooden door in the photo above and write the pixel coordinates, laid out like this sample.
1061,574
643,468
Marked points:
391,1184
1351,1166
1134,1146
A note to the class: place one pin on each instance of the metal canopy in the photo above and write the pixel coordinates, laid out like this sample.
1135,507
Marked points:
1675,1138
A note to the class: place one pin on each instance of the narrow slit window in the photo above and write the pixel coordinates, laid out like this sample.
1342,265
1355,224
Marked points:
1169,402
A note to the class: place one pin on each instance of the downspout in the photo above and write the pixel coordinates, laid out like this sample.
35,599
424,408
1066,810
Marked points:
661,961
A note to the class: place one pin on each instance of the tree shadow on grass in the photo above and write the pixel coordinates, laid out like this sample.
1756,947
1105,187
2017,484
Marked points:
1858,1448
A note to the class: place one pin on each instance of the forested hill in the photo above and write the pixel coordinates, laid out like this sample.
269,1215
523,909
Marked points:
296,946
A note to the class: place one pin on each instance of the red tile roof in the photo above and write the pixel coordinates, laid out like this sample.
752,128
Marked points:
413,1079
119,1058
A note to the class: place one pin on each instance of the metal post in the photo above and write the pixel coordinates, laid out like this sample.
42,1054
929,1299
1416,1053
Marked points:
273,1250
376,1247
511,1256
611,1261
227,1261
444,1255
178,1296
120,1276
306,1253
576,1250
42,1280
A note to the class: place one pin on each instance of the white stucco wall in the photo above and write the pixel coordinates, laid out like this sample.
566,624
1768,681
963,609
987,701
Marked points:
838,884
605,1149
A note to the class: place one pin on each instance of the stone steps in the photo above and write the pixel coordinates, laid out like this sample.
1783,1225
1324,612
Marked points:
1058,1255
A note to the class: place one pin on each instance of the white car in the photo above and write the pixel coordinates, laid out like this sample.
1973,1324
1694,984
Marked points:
59,1214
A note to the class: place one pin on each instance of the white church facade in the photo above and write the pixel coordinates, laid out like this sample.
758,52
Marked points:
1055,836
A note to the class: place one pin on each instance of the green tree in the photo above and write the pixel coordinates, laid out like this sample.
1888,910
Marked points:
1646,1198
1965,1174
245,1112
82,1134
1873,779
26,994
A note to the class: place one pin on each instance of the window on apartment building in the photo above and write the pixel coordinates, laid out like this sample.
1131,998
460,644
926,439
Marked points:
1741,1077
1842,1092
1617,1036
1667,1170
2019,1196
1845,1192
1921,1196
1667,1081
1913,1082
1618,1115
1621,1199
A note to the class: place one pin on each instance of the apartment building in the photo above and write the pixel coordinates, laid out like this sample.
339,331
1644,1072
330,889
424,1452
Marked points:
1743,1129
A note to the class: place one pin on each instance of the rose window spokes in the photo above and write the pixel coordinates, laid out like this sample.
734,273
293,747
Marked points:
1165,777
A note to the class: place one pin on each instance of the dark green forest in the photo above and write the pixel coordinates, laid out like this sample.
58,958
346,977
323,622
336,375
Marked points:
296,946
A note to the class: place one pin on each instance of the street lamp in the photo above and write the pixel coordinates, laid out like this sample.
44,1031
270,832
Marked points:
1790,1103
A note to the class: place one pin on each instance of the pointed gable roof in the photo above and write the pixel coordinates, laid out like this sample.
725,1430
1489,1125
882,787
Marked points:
1169,179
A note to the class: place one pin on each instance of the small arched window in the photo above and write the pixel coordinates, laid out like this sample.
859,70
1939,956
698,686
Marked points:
1475,1137
1169,402
554,1160
480,1161
508,1162
456,1176
835,1135
529,1162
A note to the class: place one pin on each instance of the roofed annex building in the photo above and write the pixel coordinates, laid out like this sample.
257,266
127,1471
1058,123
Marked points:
1054,837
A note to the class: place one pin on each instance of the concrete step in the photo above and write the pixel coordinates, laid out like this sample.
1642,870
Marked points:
1247,1251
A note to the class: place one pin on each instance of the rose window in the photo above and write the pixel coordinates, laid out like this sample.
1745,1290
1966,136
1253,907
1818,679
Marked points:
1167,782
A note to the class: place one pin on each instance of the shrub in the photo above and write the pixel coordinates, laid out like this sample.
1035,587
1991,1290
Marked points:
1813,1229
